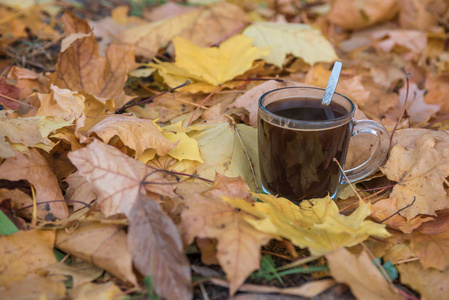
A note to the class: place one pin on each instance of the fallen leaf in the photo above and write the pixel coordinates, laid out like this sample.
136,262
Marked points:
208,249
350,14
61,103
414,15
437,88
315,224
9,91
100,291
116,177
79,190
24,252
22,133
419,165
103,245
238,247
32,287
18,199
413,41
36,171
157,251
282,39
234,187
430,283
80,271
185,146
203,27
28,81
168,10
384,211
361,275
80,67
208,67
137,134
418,110
307,290
430,242
228,149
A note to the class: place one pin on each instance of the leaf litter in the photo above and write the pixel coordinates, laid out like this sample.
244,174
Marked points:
153,193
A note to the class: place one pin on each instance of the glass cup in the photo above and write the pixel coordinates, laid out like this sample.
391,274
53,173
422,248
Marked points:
302,143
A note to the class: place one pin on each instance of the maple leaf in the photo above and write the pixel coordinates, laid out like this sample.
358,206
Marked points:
137,134
28,81
156,248
418,110
24,252
32,286
80,190
238,247
80,67
301,40
315,224
203,27
363,277
185,147
104,245
419,163
36,171
61,103
116,177
208,67
228,149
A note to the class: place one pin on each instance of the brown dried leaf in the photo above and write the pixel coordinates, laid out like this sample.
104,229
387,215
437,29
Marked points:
80,67
28,81
418,110
205,26
138,134
430,283
233,187
104,291
117,177
11,92
362,276
36,171
24,252
79,190
80,271
31,287
61,103
238,248
103,245
437,90
156,248
419,162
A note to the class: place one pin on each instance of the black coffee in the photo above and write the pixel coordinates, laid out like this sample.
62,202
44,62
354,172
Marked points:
298,164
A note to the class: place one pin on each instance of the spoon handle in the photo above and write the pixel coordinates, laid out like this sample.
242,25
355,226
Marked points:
332,83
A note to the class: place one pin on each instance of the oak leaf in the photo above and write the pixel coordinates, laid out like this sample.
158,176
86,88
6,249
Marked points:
238,247
315,224
209,67
156,249
137,134
36,171
301,40
104,245
204,27
24,252
363,277
419,162
80,67
116,177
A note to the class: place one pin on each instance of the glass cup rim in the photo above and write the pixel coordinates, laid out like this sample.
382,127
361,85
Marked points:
320,123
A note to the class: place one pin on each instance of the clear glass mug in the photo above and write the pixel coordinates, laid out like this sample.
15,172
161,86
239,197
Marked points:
300,143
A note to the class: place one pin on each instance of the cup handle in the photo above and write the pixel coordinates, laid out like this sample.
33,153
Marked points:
377,158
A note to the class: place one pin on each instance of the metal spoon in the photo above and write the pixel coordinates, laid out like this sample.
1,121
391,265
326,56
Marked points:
330,89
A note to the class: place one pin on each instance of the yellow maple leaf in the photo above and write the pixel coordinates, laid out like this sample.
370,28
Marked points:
315,224
209,67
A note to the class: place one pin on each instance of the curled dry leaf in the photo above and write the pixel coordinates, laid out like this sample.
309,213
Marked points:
137,134
117,178
24,252
363,277
419,162
301,40
80,190
80,67
36,171
238,247
204,27
80,271
156,249
61,103
103,245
